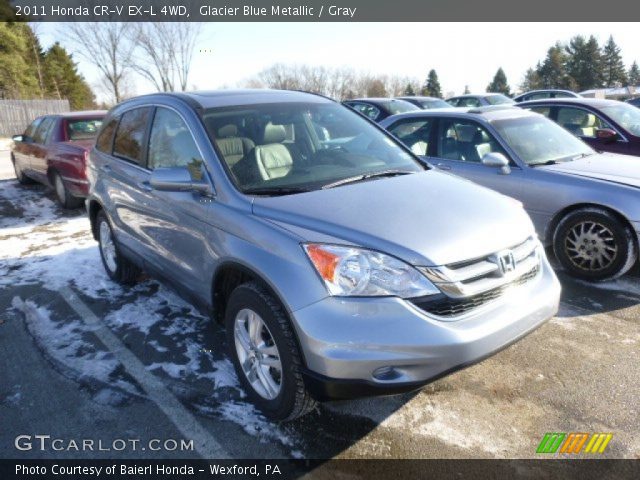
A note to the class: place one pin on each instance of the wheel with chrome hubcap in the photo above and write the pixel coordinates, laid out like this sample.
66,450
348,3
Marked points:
65,198
594,244
265,353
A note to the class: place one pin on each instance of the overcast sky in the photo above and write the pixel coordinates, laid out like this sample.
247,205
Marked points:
462,53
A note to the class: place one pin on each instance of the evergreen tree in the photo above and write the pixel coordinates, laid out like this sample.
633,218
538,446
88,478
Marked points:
584,62
614,73
499,83
63,80
432,86
17,75
531,80
552,72
634,75
408,91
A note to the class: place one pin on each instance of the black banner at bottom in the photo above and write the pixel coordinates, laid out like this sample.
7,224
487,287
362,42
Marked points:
318,469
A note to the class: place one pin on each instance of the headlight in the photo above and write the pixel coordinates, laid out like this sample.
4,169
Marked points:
350,271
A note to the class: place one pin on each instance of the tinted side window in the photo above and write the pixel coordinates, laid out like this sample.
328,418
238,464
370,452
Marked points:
105,137
546,111
172,145
42,132
468,102
130,134
580,122
465,140
414,133
367,110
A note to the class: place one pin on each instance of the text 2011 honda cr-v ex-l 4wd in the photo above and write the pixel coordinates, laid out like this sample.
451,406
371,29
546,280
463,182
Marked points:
339,264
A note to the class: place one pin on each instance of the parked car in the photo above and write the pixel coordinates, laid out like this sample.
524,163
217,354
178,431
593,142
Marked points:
634,101
426,103
378,109
606,125
583,203
340,267
53,150
481,100
543,94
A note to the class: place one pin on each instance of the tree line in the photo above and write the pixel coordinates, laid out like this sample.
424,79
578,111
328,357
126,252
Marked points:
28,71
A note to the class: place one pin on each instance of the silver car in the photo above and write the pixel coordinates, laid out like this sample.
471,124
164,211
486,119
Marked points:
340,265
584,203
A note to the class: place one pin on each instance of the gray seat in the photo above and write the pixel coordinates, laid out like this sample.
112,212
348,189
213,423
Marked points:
273,158
232,147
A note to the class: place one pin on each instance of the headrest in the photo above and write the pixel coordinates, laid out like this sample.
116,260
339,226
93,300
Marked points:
274,134
466,133
589,120
228,131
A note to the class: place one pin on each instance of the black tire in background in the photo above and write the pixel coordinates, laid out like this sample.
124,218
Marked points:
20,176
119,268
65,199
293,400
594,244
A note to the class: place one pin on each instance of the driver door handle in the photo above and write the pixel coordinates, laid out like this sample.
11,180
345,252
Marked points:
443,166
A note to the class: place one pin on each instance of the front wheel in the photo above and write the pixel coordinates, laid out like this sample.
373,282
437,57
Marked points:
593,244
119,268
265,353
20,176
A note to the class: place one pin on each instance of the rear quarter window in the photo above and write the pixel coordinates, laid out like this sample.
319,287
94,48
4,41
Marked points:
105,137
129,140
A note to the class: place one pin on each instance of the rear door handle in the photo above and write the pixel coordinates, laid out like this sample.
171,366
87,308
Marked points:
443,166
105,168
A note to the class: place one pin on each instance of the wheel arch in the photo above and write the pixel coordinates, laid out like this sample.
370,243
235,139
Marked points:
93,208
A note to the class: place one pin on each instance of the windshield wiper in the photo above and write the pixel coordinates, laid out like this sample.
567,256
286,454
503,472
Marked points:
367,176
274,191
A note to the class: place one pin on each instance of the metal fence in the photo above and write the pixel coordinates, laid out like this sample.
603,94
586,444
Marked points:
16,115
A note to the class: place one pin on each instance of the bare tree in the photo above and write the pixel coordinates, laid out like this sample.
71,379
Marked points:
164,52
106,45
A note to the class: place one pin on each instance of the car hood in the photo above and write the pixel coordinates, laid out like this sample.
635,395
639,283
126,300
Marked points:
427,218
612,167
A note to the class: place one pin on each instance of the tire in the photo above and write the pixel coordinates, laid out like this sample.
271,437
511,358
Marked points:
119,268
20,176
594,244
287,398
65,199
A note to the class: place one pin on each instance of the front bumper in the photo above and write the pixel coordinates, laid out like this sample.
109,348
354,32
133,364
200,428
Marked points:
346,340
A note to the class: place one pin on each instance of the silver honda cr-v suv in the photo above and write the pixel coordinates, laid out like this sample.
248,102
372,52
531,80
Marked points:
339,264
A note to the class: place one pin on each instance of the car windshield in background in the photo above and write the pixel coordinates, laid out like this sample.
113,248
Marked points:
83,129
539,141
289,148
434,104
498,100
400,106
625,115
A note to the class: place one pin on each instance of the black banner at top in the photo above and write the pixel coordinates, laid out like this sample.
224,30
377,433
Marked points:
319,10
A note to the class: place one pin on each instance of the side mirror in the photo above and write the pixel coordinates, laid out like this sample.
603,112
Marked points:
178,179
497,159
17,138
606,134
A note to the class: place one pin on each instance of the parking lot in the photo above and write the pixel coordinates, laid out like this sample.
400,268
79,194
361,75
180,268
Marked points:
84,358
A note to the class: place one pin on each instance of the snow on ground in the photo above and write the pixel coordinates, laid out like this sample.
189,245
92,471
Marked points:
41,244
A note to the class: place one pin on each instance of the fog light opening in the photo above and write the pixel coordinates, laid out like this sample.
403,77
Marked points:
386,374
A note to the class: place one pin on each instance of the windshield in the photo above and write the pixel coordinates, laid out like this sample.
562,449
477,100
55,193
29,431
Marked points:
291,147
625,115
400,106
83,128
427,104
538,140
498,99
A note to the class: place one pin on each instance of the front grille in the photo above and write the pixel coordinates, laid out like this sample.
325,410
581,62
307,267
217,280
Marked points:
444,306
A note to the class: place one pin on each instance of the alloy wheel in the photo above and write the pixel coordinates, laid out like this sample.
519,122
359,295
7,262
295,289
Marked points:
591,246
258,354
107,247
